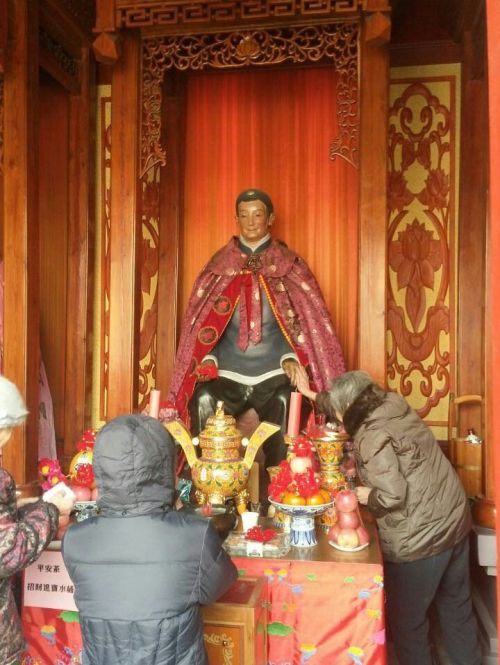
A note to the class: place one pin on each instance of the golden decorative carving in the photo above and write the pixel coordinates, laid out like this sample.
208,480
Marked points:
420,195
105,232
202,14
149,262
224,641
336,42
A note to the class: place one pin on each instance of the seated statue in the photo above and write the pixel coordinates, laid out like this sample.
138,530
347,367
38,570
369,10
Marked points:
255,315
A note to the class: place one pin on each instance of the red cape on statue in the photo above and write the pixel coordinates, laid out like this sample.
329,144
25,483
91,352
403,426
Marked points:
294,296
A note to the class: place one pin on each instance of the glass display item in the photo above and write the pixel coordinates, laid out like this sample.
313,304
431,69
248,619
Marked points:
302,527
237,545
85,509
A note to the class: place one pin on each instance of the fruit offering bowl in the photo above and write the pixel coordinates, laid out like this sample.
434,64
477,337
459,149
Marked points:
349,533
302,529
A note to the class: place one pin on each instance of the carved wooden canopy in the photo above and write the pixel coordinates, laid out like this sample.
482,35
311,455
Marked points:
196,35
167,17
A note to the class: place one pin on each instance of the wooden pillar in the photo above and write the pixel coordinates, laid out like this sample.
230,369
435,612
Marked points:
125,228
493,267
21,361
374,94
78,376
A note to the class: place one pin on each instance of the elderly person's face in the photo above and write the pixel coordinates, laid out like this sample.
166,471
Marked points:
253,220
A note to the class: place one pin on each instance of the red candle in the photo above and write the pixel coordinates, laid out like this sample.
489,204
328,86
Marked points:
154,403
294,414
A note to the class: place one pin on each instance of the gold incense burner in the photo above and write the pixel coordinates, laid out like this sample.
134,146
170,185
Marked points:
220,472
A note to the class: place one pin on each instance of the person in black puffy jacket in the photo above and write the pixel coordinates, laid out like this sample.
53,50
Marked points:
141,569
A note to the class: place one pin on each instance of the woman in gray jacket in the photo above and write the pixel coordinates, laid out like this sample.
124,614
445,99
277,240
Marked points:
141,569
422,516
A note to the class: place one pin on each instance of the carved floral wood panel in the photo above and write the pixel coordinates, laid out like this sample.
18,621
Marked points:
149,281
422,193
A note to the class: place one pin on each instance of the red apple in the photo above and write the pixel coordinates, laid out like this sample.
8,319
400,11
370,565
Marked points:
348,520
348,538
362,535
95,494
346,501
333,533
82,493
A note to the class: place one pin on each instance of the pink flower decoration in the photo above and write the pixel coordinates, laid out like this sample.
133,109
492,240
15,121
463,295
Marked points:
47,466
53,479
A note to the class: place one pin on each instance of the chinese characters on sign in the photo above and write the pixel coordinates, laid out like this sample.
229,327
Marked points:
47,583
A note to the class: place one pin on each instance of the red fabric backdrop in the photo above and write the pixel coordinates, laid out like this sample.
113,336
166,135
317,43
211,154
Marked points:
272,130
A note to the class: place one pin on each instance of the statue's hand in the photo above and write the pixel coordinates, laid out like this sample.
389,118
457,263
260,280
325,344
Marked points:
302,383
291,368
206,371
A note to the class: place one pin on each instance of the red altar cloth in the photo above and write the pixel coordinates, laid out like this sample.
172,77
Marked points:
325,608
322,613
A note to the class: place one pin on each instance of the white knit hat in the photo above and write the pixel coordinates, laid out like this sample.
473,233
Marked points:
13,410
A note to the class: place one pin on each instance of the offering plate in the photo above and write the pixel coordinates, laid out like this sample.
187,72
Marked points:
302,528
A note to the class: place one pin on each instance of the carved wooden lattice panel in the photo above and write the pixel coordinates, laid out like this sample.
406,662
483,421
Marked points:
206,13
422,194
336,43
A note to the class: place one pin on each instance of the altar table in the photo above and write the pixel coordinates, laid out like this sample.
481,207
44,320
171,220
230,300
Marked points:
325,607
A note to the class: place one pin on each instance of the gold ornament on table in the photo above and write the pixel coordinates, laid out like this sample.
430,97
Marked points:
220,472
329,445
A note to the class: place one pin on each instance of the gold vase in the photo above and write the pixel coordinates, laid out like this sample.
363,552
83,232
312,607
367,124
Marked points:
330,451
329,446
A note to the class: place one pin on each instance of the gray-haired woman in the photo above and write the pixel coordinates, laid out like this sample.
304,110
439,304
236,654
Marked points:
25,530
422,516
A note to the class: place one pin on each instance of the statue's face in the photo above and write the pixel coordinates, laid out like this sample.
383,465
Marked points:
253,221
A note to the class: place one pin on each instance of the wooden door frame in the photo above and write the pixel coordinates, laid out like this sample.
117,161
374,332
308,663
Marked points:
42,34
